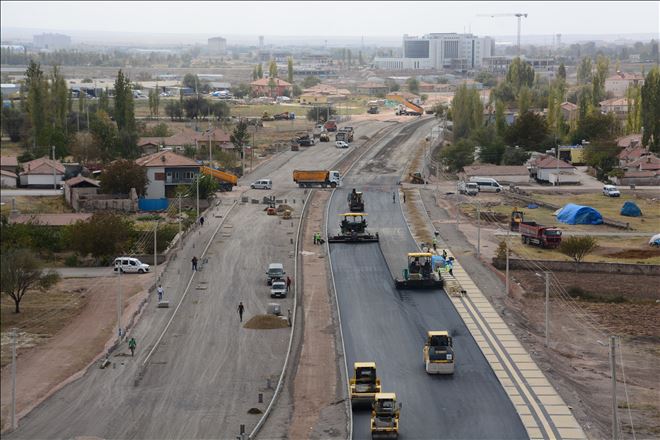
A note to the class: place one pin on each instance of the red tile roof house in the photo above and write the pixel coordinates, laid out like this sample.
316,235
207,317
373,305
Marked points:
8,179
631,154
187,137
262,87
9,163
544,169
165,171
38,173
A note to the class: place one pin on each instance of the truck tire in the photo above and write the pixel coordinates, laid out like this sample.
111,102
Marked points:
333,185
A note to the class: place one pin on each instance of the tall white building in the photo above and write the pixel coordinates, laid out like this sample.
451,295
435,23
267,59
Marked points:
217,46
51,41
440,51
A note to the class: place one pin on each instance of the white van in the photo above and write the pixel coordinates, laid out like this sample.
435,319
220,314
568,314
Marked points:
130,265
262,184
487,184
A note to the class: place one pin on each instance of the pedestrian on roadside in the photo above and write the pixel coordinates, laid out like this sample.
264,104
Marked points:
240,311
404,197
288,283
450,266
160,293
201,221
435,244
194,263
131,345
393,197
314,237
444,254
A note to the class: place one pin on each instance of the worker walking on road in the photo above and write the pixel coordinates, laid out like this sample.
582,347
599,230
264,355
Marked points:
131,345
240,311
288,283
404,197
160,293
435,244
393,197
194,263
201,221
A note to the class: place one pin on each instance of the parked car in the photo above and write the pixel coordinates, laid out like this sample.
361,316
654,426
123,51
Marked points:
341,144
275,272
262,184
655,241
278,289
611,191
129,265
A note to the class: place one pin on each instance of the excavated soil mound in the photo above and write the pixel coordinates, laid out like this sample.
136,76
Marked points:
266,322
636,254
283,207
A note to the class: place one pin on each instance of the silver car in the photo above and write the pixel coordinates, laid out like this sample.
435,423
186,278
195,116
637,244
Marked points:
278,289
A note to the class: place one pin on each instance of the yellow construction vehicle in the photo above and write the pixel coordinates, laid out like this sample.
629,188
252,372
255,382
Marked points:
419,273
517,217
353,229
416,178
385,416
355,201
439,353
365,384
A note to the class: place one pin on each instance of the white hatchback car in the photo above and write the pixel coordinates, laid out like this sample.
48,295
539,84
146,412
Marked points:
611,191
341,144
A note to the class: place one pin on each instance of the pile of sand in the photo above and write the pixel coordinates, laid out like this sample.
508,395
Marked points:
283,207
266,322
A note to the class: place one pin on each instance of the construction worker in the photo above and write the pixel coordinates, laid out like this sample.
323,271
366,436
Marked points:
201,221
160,293
240,311
131,345
315,238
435,244
288,283
194,263
393,197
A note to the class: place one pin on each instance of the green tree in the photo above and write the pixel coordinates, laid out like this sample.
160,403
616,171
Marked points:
104,101
561,72
596,127
467,111
191,81
12,123
240,137
392,85
105,134
650,111
124,111
439,109
578,247
255,76
21,273
514,156
584,71
272,69
272,85
529,131
458,155
602,157
59,98
524,100
584,101
240,90
174,110
37,102
598,79
486,78
490,144
500,118
289,70
520,74
413,85
122,175
104,234
310,81
634,117
208,185
260,71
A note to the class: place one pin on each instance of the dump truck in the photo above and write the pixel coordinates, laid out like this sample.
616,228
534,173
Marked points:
539,235
331,125
419,273
385,416
439,353
365,384
227,181
353,229
355,201
344,135
322,178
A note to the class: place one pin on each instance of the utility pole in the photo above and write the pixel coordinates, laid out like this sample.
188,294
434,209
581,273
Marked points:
197,180
54,178
13,378
156,253
119,304
478,229
506,288
615,421
547,306
210,146
180,237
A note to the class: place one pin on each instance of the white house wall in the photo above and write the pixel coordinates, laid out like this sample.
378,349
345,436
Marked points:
155,188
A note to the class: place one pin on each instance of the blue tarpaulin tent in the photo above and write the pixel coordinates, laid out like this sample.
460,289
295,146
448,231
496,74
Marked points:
630,209
579,215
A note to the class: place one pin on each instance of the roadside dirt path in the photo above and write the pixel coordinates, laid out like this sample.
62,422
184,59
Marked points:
44,369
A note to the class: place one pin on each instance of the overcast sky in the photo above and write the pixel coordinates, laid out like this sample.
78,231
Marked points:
372,18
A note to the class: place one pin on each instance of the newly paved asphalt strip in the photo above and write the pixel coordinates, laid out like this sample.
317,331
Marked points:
388,326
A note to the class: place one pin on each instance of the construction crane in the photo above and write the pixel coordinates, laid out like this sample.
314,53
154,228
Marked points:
520,15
